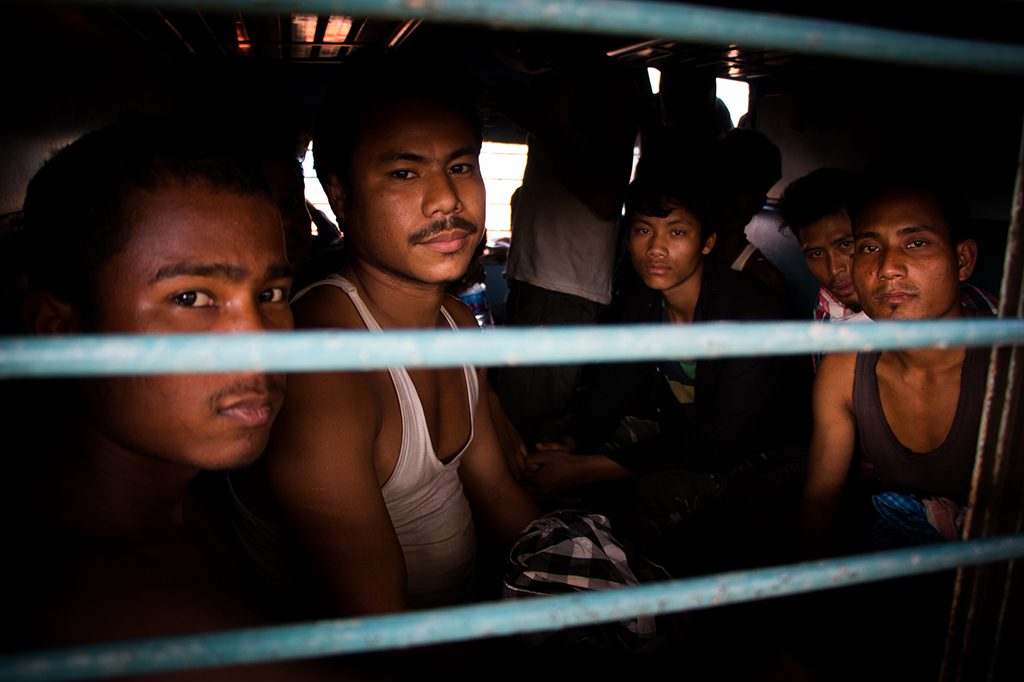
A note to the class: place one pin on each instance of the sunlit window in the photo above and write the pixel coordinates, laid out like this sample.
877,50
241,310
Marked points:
736,95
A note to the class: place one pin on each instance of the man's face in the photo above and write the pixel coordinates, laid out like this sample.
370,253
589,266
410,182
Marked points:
197,260
668,252
288,189
827,245
414,209
904,265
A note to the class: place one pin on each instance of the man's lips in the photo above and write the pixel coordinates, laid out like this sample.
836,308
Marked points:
842,289
449,241
895,295
656,268
251,409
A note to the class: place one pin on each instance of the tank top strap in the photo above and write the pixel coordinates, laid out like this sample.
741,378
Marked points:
340,282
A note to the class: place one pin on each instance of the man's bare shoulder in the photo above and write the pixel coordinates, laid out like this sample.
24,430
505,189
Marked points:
326,307
460,312
835,375
838,362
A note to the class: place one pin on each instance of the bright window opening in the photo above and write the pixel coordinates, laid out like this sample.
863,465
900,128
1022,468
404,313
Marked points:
736,95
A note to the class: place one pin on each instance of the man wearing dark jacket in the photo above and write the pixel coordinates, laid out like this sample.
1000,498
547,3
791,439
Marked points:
691,428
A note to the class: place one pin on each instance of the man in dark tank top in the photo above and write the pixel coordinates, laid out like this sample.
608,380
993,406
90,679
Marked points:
913,413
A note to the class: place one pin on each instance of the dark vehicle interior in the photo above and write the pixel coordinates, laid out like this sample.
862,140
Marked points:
74,67
71,67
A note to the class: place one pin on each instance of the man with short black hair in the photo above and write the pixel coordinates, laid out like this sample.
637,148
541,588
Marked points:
914,413
816,209
384,476
151,225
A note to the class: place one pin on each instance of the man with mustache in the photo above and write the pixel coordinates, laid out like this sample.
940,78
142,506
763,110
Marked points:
150,225
816,208
383,476
914,413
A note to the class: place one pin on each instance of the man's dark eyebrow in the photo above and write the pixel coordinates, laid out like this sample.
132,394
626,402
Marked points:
279,271
392,156
464,151
909,229
234,273
193,269
912,229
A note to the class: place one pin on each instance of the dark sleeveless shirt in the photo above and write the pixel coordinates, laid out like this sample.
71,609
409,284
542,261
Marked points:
945,471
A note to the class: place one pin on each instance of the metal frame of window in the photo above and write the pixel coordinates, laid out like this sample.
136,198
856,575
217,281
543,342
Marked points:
988,608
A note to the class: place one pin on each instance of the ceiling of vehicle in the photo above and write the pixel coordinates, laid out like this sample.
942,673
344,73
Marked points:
172,35
64,54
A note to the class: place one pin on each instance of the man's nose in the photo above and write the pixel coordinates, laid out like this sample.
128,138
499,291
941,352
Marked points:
656,245
441,195
838,263
890,264
250,316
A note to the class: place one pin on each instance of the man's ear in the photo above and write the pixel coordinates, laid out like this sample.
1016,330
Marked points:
46,314
337,197
709,243
966,258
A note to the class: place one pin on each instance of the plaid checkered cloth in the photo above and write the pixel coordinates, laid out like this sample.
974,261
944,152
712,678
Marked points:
569,551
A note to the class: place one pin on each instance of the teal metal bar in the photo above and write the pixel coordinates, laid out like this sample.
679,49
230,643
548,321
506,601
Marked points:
309,640
678,21
308,351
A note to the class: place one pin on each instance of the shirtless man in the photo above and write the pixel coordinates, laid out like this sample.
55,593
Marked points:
384,475
146,226
909,260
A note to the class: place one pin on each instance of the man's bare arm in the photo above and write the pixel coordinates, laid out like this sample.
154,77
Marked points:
322,470
497,499
831,452
556,471
512,445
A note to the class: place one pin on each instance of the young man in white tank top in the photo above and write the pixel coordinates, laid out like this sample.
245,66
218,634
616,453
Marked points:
384,475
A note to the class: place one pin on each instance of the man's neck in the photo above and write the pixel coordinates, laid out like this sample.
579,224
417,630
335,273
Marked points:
927,360
931,360
103,490
681,301
395,302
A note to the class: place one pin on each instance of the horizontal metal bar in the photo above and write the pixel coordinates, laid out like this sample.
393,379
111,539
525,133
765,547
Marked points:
304,351
359,635
679,21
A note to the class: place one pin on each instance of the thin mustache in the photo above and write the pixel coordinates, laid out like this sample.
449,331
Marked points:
437,227
270,383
